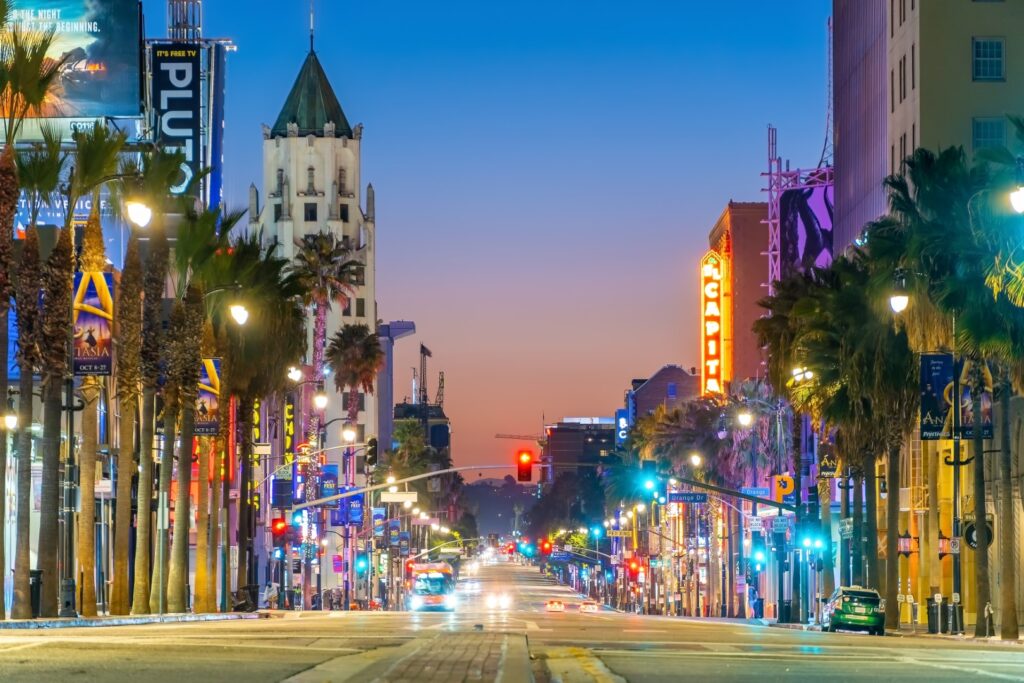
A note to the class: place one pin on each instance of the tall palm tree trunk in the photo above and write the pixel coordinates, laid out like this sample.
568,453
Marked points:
872,575
740,535
22,606
4,361
245,410
857,540
158,591
87,495
798,485
828,572
123,514
892,523
215,512
144,497
177,582
983,588
9,192
203,527
1008,628
49,498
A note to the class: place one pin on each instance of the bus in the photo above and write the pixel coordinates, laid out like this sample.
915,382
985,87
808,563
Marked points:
432,587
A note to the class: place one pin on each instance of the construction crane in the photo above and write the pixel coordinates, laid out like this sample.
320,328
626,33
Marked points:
424,396
440,390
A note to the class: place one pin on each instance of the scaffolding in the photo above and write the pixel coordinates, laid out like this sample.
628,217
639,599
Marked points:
185,20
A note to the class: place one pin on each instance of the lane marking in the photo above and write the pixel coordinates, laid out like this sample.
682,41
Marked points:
965,669
23,646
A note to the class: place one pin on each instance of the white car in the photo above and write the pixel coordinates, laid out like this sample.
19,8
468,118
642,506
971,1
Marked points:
498,601
554,606
589,606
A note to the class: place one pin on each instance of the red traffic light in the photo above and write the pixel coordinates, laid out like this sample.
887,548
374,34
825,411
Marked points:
524,466
278,526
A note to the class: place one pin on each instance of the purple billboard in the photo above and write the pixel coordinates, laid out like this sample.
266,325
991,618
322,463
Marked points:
805,228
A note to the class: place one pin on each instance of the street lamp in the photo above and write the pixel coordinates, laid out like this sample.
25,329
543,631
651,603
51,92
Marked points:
348,432
320,397
10,417
295,374
138,212
745,418
900,299
695,459
1017,196
801,374
239,313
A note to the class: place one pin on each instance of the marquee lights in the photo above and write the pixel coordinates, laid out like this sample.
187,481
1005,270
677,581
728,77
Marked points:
712,268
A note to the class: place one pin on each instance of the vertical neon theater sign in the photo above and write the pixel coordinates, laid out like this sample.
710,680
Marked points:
712,268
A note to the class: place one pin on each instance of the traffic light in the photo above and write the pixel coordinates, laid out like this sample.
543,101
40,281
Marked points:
758,554
279,530
524,466
545,547
298,518
371,451
362,564
634,569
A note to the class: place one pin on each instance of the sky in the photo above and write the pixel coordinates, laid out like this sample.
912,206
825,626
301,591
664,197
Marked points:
546,173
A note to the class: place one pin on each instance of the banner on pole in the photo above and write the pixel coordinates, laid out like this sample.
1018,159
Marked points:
93,323
208,398
378,522
936,396
329,485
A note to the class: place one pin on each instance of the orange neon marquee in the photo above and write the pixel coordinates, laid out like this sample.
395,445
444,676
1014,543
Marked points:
712,276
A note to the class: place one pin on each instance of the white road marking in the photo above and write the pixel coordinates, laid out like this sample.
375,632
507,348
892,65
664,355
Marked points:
965,669
23,646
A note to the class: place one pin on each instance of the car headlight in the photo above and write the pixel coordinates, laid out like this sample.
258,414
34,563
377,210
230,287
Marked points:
492,601
450,601
416,602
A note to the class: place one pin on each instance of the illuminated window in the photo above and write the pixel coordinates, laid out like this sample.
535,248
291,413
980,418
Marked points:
988,59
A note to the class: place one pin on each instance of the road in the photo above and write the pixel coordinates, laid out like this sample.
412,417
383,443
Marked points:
478,643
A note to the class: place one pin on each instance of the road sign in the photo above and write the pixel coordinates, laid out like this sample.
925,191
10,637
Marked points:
846,527
756,491
954,546
783,486
619,533
560,556
937,598
687,497
956,598
900,597
971,534
755,524
780,524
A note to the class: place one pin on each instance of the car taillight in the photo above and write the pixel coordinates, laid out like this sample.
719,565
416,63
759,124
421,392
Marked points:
881,605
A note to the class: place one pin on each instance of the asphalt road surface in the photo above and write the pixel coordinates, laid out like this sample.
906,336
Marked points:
482,643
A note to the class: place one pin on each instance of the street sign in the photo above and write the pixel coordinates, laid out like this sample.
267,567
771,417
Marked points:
954,546
846,527
937,598
398,497
755,524
687,497
780,524
783,486
956,598
619,533
756,491
261,449
560,556
971,534
900,597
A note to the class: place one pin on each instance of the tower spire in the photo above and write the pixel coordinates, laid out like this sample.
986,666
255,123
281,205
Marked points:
310,25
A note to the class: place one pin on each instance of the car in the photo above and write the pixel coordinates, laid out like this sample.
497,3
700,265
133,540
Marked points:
589,606
855,608
554,606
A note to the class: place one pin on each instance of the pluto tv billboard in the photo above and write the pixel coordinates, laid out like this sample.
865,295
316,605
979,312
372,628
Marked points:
100,44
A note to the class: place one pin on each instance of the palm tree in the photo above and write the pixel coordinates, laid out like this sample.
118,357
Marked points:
129,333
95,159
26,78
158,174
355,355
29,358
328,271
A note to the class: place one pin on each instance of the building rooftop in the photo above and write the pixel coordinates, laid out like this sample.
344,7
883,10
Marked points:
311,104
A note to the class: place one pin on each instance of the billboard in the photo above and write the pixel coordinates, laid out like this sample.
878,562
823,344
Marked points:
177,93
100,43
712,276
805,228
93,323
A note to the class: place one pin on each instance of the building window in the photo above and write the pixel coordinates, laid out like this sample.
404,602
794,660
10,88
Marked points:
277,213
988,59
892,159
344,212
892,18
671,391
913,66
309,211
347,311
892,91
903,78
359,276
913,137
989,131
360,308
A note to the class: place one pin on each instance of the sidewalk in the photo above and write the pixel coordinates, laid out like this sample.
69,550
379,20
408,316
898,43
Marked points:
906,632
82,622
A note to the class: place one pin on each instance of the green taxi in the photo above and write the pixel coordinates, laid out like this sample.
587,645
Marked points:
855,608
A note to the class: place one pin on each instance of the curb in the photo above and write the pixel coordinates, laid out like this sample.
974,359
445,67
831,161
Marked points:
97,622
515,664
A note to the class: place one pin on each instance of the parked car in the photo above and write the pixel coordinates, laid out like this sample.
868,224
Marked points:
855,608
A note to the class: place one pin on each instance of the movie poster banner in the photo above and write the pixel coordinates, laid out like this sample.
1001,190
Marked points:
208,398
329,485
967,369
93,322
936,396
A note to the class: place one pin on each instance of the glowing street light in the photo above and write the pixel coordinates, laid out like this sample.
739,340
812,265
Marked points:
295,374
745,418
239,313
138,213
1017,196
802,374
348,432
900,298
320,398
10,417
695,459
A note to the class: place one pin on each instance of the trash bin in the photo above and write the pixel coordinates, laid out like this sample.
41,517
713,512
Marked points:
35,587
785,611
934,616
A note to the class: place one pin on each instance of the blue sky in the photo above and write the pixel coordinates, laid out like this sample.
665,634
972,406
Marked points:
546,173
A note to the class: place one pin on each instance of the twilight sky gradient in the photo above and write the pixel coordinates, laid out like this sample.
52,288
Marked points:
546,173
